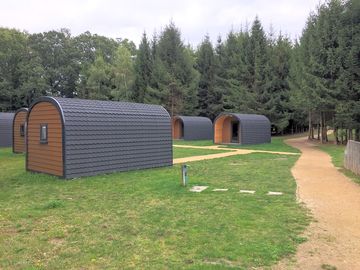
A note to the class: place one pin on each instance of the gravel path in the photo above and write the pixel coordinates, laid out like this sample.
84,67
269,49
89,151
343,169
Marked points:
334,201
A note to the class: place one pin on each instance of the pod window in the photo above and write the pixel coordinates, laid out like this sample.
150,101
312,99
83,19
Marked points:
22,130
44,133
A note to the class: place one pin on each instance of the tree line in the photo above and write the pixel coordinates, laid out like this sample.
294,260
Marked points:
325,74
310,83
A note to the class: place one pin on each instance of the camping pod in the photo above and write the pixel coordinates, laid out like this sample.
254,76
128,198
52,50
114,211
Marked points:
241,129
70,137
192,128
6,122
19,131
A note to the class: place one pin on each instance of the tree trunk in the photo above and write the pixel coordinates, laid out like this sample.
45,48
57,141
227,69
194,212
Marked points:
322,127
350,137
357,134
311,132
336,135
325,129
345,136
318,131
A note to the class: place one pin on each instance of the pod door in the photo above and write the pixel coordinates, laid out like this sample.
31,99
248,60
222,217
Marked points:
235,132
178,129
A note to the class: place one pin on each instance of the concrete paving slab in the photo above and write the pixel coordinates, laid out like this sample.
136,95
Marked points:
247,191
274,193
198,188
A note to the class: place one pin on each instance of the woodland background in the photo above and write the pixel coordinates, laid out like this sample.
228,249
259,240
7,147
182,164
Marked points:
311,83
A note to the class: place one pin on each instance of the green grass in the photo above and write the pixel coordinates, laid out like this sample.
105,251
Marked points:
337,156
146,220
277,144
189,152
195,143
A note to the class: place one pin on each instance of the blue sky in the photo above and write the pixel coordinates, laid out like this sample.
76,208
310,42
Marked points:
128,19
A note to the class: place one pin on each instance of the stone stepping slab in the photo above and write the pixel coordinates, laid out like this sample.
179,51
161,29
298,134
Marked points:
198,188
244,191
247,191
274,193
220,189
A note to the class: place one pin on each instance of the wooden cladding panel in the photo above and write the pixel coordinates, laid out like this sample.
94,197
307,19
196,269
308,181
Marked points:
47,158
223,129
218,134
227,130
177,128
19,141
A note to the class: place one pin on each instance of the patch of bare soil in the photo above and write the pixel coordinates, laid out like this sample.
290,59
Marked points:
57,241
334,200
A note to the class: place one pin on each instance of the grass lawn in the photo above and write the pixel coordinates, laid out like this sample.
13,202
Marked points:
146,220
196,143
277,144
189,152
337,156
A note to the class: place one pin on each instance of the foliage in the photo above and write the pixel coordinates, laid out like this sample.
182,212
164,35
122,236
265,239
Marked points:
313,81
329,69
337,153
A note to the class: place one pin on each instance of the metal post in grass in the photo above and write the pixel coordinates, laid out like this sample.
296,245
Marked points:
184,169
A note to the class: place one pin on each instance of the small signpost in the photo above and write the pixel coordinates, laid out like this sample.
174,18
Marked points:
184,175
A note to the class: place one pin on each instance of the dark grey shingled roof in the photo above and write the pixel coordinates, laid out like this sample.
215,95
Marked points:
6,122
197,127
109,136
254,128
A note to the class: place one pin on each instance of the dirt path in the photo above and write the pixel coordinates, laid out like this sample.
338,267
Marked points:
334,200
230,152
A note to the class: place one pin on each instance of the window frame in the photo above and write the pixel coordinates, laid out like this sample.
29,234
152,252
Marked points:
22,130
44,140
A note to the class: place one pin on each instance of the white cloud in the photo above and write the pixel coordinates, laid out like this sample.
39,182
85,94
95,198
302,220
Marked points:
128,19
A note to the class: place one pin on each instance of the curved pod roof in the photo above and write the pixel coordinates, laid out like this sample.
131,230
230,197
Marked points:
19,138
195,127
108,136
6,121
252,128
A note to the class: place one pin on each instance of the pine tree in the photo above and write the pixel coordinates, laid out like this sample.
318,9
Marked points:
277,107
98,84
190,89
143,70
122,74
175,72
205,64
257,61
298,102
348,82
231,62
